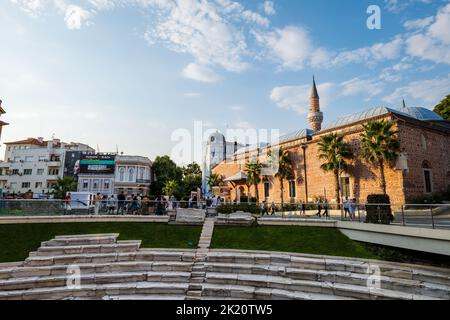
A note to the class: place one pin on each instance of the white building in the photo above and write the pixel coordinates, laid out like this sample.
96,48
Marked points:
131,175
34,164
216,150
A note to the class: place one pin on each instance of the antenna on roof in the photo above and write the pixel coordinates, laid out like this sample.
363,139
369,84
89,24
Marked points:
117,149
403,104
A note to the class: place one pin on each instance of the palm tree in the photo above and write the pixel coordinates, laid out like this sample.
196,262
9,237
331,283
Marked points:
253,170
214,180
333,150
281,161
170,187
380,146
64,185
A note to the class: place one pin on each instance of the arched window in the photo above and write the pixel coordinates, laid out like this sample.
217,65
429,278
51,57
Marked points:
427,177
131,175
122,174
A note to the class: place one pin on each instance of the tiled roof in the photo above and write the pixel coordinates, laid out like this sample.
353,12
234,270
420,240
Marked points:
29,141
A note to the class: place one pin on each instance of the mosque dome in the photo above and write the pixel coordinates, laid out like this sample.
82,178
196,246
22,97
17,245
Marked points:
420,113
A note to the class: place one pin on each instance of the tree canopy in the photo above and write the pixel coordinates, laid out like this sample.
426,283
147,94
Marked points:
443,108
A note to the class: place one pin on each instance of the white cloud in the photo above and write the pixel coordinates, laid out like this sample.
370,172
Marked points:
75,17
296,98
291,47
375,53
440,29
32,7
355,86
418,23
429,91
399,5
269,8
199,72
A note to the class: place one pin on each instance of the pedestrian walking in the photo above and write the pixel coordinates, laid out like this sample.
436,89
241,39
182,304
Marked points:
319,208
97,203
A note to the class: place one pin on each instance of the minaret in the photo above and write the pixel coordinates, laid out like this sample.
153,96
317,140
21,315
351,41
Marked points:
315,117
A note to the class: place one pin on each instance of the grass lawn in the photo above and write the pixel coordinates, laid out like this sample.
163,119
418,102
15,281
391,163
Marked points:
313,240
17,240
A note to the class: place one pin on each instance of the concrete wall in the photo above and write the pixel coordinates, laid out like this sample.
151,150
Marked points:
419,239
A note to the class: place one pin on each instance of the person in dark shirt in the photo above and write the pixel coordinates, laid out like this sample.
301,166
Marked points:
121,203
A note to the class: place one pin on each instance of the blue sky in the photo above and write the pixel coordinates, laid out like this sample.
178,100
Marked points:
131,72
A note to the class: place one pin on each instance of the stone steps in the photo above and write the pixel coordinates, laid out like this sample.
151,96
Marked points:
296,261
236,292
74,240
98,291
93,278
120,246
308,286
133,266
144,255
343,277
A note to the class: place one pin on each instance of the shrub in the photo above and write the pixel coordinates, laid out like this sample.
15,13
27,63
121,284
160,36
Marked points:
379,213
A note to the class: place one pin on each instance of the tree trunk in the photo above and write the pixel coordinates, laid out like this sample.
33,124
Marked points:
336,180
382,177
256,193
282,193
248,193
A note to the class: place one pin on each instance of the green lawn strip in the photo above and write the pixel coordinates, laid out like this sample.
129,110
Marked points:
310,240
17,240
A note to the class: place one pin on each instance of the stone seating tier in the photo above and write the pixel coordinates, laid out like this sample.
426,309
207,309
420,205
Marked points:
115,270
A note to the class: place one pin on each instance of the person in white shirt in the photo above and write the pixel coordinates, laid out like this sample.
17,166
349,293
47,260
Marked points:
346,207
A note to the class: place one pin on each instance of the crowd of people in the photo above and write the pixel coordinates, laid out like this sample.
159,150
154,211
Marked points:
322,206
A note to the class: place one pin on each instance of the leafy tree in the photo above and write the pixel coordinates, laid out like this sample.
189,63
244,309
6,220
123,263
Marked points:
253,170
192,169
380,146
334,152
192,179
214,180
281,160
171,188
64,185
443,108
164,170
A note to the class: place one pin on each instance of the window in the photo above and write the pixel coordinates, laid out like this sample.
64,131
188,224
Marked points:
122,174
428,177
428,182
267,189
16,159
106,185
13,185
53,172
85,184
38,185
26,184
131,175
95,185
40,172
15,171
42,158
28,172
141,174
345,185
292,190
29,159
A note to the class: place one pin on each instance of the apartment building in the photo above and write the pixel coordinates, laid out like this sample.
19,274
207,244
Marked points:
34,165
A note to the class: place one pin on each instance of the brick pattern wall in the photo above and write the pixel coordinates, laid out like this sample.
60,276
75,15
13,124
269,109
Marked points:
402,185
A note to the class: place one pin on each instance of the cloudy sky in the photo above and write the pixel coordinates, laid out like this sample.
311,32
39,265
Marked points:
131,72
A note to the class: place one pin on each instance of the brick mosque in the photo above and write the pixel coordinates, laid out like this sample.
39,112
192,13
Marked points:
422,167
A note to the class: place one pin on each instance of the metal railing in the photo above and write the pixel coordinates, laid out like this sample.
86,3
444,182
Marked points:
436,216
54,207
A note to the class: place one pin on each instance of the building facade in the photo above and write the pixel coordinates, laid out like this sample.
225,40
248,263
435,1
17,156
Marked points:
34,165
2,123
133,175
422,168
110,174
216,150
